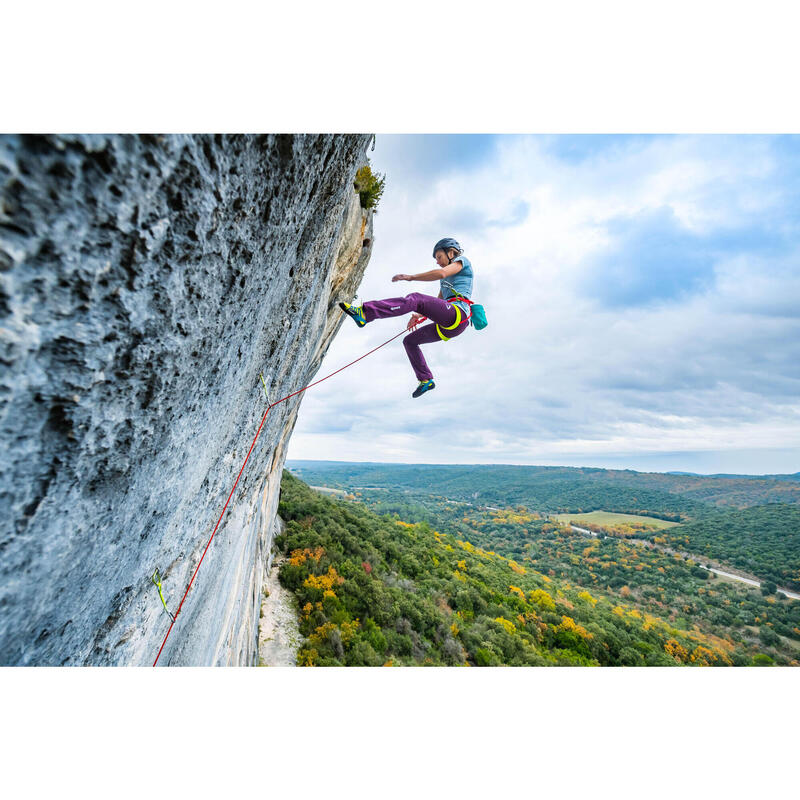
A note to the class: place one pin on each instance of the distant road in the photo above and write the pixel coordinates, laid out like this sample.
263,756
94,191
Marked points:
748,581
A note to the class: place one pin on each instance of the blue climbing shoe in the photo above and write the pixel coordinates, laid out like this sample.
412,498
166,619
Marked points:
356,312
424,386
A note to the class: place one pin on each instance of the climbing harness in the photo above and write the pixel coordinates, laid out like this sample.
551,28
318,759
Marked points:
174,617
449,327
156,579
477,313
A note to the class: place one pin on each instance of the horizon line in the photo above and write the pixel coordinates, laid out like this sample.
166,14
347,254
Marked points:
550,466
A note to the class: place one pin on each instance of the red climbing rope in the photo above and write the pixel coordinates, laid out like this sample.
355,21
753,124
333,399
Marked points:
258,433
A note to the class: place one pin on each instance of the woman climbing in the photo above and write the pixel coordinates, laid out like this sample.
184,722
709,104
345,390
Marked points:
447,312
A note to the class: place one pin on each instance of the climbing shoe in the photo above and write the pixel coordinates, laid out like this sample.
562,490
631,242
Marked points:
356,312
424,386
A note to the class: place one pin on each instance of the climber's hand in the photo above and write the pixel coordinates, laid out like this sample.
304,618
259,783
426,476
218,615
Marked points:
402,277
415,320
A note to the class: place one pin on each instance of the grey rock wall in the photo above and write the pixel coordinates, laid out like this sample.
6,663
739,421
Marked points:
145,282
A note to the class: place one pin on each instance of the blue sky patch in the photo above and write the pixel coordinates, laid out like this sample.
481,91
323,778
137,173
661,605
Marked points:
653,259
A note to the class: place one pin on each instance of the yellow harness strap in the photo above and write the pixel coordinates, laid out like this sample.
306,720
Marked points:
450,327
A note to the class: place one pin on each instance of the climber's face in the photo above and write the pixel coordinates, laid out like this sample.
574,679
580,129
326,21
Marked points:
441,258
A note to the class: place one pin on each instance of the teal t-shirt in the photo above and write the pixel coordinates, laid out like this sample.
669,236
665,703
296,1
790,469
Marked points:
460,283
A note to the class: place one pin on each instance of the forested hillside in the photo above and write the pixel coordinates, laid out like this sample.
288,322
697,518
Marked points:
763,540
377,589
560,489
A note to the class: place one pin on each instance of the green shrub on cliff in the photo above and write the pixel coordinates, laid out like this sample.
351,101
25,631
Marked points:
369,186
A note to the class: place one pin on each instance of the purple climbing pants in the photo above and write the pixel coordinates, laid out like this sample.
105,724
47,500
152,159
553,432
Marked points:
437,310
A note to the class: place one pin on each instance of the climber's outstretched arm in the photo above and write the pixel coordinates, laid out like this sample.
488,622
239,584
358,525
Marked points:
431,275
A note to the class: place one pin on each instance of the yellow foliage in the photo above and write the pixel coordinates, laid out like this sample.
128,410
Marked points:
516,567
542,599
298,557
309,657
329,593
466,546
517,590
506,623
322,632
702,655
460,576
511,517
348,630
528,617
462,565
676,650
324,581
404,524
435,561
619,611
569,624
649,622
587,598
454,629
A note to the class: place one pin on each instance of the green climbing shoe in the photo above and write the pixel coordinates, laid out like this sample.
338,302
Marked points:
356,312
424,386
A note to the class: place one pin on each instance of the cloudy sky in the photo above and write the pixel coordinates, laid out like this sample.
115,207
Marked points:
643,298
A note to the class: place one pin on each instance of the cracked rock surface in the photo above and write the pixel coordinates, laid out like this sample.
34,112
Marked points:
145,282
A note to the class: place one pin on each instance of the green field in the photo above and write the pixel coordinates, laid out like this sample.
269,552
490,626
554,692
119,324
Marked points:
611,518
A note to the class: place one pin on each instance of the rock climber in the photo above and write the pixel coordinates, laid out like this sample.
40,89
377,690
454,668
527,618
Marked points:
449,313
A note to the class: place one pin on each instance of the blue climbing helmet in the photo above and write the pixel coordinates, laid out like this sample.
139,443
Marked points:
445,244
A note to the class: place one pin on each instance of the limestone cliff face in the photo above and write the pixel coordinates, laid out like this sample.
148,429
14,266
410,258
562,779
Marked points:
145,282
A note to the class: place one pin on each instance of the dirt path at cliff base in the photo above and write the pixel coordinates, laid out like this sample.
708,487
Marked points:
279,636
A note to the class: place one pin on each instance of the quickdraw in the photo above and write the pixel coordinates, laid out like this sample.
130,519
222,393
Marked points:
261,375
157,581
